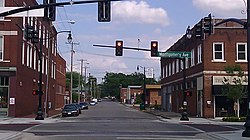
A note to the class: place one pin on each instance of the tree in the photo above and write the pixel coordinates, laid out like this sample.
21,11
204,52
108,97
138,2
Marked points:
114,81
233,86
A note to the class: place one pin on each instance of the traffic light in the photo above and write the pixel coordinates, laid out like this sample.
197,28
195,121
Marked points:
35,92
104,11
154,48
50,12
199,33
208,25
188,93
28,32
35,36
118,48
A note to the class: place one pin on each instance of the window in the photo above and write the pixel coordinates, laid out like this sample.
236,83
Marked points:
169,69
28,55
23,53
1,48
166,70
241,52
199,54
218,52
163,71
2,4
177,65
173,66
192,57
31,58
181,65
186,62
34,59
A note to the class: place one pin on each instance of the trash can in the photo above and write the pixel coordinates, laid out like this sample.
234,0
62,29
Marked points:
142,106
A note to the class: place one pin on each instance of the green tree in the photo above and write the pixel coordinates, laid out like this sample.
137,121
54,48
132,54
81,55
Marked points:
114,81
233,87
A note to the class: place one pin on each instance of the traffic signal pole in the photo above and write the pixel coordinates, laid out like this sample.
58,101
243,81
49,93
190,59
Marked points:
27,8
184,116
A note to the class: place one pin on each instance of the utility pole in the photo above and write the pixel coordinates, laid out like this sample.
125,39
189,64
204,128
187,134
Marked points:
71,68
80,81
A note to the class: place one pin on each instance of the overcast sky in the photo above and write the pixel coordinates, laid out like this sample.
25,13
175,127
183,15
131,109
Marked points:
136,22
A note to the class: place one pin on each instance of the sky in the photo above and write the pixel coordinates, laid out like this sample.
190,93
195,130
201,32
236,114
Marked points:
137,23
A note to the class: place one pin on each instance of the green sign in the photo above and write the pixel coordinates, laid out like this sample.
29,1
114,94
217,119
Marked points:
174,54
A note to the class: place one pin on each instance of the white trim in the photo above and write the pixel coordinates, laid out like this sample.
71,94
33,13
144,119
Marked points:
237,51
222,51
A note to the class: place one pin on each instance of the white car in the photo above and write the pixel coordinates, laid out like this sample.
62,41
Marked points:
92,103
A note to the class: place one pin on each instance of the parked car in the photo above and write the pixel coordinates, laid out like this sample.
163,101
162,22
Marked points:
70,110
92,103
79,107
99,99
84,105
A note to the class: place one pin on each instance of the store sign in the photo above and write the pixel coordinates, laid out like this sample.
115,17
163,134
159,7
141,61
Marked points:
12,101
149,72
218,80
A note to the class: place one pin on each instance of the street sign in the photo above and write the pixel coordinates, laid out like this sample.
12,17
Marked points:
174,54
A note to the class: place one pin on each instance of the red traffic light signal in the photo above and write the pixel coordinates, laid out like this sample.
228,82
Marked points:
118,48
188,93
35,92
154,48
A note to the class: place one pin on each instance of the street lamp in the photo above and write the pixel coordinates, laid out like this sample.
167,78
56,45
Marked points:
184,115
142,106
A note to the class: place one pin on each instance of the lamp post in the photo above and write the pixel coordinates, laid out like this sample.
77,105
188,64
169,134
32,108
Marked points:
246,132
85,80
142,107
39,111
184,115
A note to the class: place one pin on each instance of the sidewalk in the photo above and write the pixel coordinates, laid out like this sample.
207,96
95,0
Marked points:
175,118
16,135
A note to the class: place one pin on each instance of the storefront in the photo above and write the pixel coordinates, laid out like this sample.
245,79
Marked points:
4,92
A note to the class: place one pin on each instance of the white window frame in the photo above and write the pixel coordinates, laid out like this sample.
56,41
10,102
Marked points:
2,48
23,53
237,51
177,65
166,68
169,70
199,52
222,52
163,71
192,58
182,65
34,59
3,5
28,55
173,67
186,62
31,57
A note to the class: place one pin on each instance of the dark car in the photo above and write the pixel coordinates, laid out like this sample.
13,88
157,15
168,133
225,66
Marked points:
70,110
79,107
84,105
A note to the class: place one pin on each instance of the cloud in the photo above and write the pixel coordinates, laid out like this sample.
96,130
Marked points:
221,7
141,12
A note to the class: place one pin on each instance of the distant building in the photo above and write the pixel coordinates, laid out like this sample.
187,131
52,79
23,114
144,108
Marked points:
153,94
227,46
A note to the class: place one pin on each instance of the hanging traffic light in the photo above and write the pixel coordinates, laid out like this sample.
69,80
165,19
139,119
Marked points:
35,92
208,25
154,48
118,48
35,36
28,32
188,93
199,33
104,11
50,12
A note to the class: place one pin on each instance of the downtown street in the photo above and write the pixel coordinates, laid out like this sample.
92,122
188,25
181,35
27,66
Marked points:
114,121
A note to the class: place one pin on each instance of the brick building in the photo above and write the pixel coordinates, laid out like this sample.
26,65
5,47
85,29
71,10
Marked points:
19,65
227,46
153,96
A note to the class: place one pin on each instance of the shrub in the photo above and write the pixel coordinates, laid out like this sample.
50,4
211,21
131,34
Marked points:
234,119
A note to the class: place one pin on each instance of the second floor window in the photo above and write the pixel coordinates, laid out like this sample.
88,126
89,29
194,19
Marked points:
1,48
199,54
192,57
241,52
218,52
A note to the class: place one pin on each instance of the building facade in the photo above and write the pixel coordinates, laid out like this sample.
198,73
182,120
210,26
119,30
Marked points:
205,70
19,65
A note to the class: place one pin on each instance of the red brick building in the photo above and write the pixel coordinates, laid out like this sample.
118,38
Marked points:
19,66
227,46
153,96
